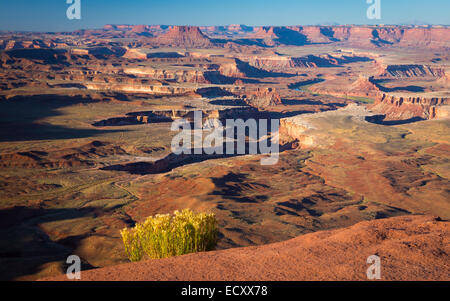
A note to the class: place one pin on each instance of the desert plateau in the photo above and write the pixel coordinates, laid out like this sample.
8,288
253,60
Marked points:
363,159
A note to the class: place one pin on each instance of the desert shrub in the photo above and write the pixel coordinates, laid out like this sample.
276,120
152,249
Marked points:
133,247
168,235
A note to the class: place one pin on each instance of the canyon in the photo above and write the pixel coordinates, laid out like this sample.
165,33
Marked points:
364,149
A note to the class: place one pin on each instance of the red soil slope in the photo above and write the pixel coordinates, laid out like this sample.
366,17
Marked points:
410,248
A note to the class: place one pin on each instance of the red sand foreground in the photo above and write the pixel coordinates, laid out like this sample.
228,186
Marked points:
410,248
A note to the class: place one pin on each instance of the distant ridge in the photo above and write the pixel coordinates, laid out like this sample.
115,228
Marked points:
379,36
186,36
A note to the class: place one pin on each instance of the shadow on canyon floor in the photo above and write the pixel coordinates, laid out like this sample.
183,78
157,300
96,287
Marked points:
230,186
173,160
410,88
25,247
379,119
20,117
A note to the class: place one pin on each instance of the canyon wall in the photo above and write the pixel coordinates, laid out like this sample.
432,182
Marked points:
403,36
410,70
398,107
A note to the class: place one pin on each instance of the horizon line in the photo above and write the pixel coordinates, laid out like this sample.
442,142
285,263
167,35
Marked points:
306,25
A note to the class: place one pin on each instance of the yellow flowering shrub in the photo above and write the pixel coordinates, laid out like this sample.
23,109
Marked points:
168,235
133,247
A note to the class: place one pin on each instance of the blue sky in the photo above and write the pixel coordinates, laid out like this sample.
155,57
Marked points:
50,15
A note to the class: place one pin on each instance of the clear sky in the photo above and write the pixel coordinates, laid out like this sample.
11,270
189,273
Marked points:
50,15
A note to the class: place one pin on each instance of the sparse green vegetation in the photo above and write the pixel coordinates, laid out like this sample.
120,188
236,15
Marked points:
168,235
305,85
361,99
